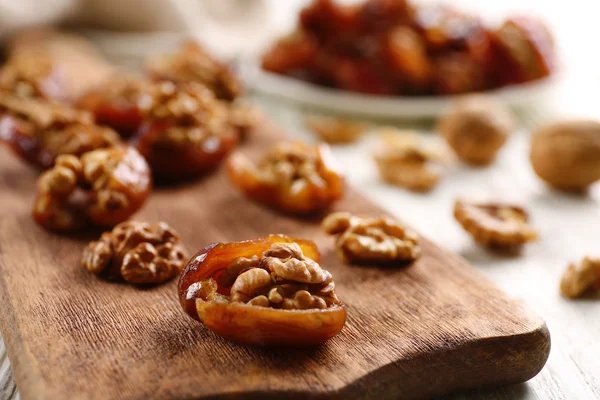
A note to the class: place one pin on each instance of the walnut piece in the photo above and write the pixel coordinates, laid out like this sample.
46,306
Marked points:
581,278
136,252
407,161
566,154
364,239
476,128
191,63
283,277
102,187
335,130
496,225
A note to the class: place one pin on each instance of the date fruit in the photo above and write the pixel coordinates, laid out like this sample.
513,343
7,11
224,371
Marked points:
267,291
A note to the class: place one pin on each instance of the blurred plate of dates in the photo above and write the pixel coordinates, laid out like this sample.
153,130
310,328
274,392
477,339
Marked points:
397,58
401,107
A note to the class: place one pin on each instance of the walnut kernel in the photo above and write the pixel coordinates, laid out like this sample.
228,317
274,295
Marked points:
335,130
497,225
580,278
366,239
407,161
136,252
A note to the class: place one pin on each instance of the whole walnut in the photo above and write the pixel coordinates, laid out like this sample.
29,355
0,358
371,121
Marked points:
136,252
476,128
566,154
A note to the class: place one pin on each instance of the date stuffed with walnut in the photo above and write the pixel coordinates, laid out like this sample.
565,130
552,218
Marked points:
290,177
102,188
267,291
186,132
38,131
191,63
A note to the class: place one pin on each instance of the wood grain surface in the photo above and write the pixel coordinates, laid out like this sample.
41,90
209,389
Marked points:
432,328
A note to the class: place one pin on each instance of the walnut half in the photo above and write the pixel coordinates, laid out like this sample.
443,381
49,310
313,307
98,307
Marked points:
580,278
366,239
136,252
405,160
494,224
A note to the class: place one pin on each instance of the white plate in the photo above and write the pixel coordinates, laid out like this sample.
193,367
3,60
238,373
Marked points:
394,107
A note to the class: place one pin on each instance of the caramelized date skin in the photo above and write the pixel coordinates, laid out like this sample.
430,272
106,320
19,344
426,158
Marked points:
171,161
245,323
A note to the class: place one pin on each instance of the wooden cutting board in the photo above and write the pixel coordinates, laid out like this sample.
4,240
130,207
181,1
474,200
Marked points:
432,328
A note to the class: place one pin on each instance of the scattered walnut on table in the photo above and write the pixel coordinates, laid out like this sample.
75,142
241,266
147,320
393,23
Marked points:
191,63
33,75
335,130
186,132
102,187
291,177
495,224
39,131
581,278
136,252
566,154
407,161
476,128
364,239
267,291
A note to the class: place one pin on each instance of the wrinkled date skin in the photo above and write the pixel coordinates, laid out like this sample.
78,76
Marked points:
292,177
39,132
102,188
206,284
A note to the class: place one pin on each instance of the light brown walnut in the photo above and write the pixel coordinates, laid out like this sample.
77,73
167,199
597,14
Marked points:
581,278
378,240
334,130
282,277
566,154
405,160
495,224
476,128
136,252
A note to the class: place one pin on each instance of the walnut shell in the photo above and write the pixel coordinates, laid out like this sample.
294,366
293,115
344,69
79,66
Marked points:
476,128
566,154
